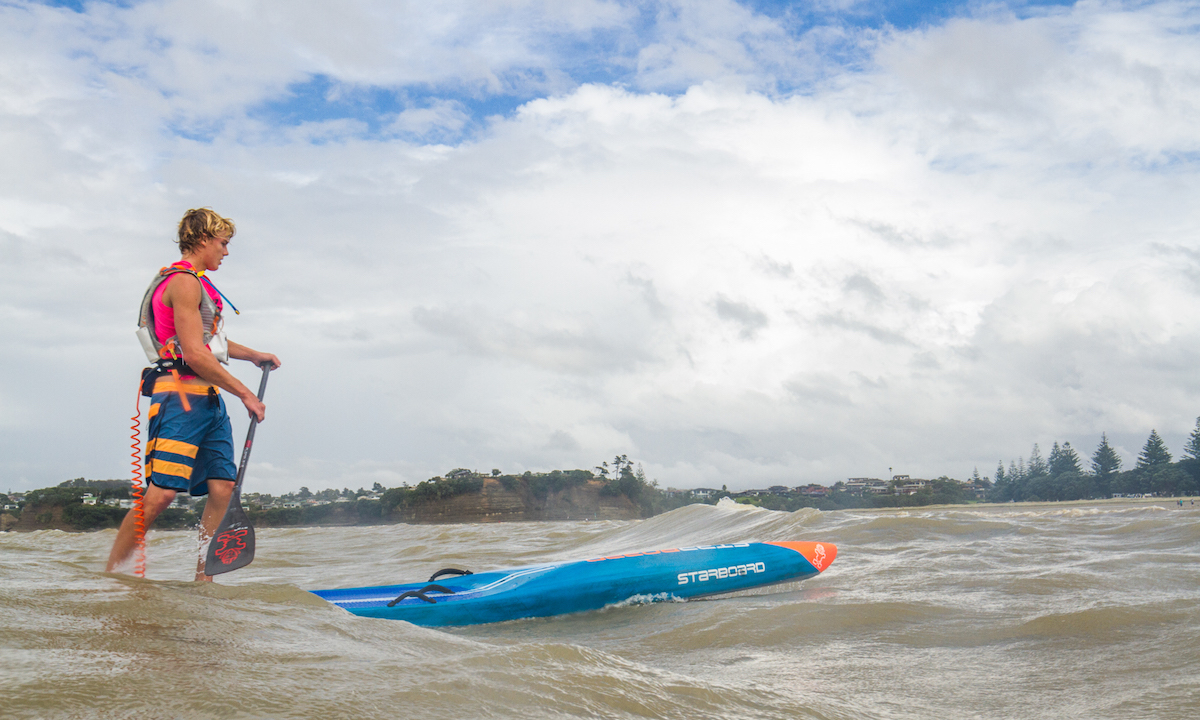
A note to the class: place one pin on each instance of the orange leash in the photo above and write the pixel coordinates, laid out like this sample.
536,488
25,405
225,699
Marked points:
139,505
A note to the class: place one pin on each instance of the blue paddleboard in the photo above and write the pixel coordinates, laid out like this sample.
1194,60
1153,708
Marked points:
450,597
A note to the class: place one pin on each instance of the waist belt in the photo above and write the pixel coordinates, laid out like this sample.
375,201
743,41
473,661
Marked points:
153,380
168,384
166,365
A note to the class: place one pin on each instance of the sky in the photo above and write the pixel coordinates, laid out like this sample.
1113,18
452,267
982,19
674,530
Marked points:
743,243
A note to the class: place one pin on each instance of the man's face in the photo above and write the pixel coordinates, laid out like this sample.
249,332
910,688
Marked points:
212,251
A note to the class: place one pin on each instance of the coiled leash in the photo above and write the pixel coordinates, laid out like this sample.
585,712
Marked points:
139,503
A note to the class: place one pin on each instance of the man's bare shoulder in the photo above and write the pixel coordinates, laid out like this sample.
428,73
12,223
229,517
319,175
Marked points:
182,287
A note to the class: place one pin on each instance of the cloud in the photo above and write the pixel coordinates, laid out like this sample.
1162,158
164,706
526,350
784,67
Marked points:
583,348
748,318
981,236
1102,83
863,286
706,41
444,119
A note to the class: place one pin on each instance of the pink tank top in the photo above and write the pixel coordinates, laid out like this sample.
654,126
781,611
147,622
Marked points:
164,317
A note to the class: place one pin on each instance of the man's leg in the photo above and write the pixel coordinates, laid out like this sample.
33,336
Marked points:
219,492
154,501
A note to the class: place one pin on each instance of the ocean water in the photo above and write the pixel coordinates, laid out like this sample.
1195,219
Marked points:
1017,611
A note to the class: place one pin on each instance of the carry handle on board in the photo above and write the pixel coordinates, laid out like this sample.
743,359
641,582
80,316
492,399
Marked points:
448,571
232,545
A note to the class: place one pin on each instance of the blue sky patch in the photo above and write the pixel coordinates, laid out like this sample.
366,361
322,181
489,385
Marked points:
900,14
606,56
322,98
80,6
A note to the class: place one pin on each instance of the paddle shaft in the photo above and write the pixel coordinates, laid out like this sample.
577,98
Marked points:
232,545
237,486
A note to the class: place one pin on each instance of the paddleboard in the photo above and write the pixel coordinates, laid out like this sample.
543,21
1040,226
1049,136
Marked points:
457,597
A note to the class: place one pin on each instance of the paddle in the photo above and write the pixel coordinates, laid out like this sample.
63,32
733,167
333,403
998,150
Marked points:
232,545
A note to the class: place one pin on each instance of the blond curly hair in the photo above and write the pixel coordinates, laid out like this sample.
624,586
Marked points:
201,223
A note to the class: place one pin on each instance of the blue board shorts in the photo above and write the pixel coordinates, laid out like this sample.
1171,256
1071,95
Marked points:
187,448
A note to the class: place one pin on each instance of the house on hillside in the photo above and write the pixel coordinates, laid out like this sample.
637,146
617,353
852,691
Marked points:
868,486
909,486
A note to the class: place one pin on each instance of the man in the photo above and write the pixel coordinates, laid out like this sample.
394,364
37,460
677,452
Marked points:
190,446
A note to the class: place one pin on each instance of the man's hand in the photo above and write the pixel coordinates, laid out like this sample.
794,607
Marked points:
262,357
256,407
240,352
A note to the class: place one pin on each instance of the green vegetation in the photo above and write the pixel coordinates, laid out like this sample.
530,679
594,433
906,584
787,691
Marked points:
1060,476
942,491
68,498
92,517
356,512
622,479
460,481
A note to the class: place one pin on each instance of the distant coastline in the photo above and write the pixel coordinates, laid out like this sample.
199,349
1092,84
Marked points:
1034,505
84,505
464,496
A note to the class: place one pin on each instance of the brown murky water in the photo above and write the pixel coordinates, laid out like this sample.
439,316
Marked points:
1044,611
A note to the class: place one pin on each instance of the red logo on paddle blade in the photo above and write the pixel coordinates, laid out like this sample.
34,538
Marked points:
230,544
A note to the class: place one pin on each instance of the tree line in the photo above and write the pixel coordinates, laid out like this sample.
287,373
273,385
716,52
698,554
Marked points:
621,478
1062,476
1059,476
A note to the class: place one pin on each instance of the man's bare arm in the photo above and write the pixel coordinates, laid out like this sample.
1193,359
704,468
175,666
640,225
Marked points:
183,296
241,352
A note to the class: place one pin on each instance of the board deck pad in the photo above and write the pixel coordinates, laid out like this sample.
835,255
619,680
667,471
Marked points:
582,585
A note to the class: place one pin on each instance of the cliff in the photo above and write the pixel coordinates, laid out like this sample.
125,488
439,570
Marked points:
465,500
496,503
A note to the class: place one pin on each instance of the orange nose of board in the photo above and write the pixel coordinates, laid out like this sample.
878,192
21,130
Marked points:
821,555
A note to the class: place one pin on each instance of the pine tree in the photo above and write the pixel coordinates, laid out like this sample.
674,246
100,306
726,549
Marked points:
1063,460
1192,449
1055,452
1105,461
1002,490
1037,466
1071,458
1154,453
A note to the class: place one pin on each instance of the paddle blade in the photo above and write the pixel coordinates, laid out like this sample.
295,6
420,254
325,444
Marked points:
232,546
